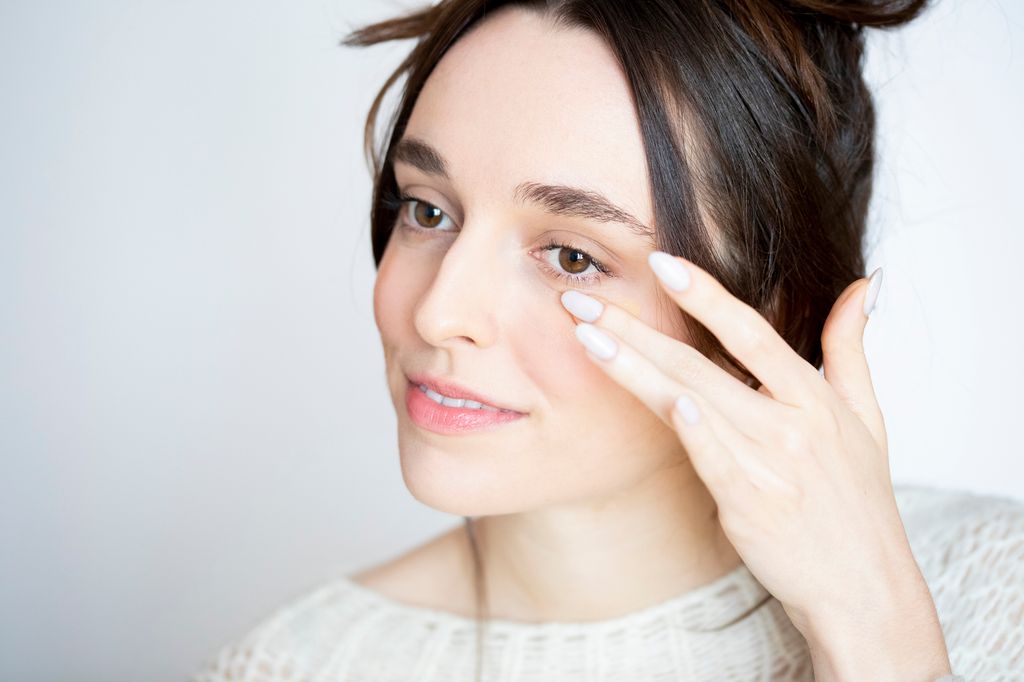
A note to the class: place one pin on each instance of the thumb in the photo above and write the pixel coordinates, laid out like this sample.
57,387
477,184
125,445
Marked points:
842,344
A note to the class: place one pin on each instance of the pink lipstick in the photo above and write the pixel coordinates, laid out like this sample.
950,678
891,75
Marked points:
457,416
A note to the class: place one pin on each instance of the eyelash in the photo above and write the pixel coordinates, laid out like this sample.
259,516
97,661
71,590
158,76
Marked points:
395,202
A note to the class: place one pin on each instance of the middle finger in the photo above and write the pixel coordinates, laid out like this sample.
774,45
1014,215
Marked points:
748,409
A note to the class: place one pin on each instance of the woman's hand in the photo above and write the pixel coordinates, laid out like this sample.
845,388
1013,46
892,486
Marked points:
799,468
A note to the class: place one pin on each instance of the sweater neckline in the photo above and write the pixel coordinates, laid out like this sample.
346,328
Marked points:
710,606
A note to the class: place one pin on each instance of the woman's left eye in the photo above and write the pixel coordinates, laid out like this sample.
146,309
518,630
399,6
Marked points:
570,263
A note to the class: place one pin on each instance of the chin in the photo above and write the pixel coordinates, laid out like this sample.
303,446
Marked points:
454,485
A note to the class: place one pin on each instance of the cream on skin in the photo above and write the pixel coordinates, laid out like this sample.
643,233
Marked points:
589,507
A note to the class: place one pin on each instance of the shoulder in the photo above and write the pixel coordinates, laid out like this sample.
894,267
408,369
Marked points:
281,645
339,627
970,548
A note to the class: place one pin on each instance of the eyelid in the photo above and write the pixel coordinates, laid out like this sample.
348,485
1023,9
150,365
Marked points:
410,195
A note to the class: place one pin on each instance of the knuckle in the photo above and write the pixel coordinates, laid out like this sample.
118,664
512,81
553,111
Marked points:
793,436
751,339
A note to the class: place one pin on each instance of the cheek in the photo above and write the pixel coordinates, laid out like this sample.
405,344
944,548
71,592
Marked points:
543,343
585,415
394,295
542,336
595,434
382,291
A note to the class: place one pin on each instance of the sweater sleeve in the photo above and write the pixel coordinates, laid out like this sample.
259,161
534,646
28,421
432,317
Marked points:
980,591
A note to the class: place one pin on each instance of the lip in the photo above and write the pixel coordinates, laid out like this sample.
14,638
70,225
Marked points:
447,420
454,390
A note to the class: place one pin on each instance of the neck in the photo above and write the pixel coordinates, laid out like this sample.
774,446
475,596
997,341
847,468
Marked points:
599,559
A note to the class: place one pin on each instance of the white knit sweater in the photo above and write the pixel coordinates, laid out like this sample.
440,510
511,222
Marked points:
970,549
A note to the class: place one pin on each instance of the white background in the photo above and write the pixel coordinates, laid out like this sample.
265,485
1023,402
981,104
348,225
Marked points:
194,424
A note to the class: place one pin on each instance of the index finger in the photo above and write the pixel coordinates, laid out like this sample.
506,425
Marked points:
742,330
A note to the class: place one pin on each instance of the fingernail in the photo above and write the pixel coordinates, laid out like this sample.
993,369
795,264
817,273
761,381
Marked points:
669,270
582,306
596,341
687,409
874,284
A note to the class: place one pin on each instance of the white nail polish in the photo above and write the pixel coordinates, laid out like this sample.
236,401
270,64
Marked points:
687,409
669,270
871,295
596,341
587,308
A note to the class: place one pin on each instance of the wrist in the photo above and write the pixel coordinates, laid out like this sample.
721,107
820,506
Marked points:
893,634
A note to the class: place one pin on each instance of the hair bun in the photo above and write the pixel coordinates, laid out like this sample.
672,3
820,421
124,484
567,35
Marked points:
873,13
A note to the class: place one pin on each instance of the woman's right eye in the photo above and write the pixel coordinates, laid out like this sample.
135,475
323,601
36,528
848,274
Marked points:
421,215
425,215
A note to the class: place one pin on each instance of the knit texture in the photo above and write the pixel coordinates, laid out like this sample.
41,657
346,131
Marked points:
970,549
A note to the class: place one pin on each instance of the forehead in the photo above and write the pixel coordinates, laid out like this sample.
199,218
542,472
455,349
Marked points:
520,99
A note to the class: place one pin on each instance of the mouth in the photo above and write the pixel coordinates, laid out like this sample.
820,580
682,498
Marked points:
447,393
445,413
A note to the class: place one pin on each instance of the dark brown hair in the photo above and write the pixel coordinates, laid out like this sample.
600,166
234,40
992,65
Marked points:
758,130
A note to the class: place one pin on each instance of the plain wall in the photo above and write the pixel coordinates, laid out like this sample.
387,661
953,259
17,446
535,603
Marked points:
195,424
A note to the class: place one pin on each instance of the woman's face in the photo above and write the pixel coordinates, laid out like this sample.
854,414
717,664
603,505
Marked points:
473,295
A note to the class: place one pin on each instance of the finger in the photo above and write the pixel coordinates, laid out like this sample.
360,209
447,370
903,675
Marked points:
638,375
697,423
736,470
845,364
742,330
748,409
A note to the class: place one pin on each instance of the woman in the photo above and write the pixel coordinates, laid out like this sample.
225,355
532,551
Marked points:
615,242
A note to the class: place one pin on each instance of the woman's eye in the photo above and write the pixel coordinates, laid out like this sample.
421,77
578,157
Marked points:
563,261
424,216
571,264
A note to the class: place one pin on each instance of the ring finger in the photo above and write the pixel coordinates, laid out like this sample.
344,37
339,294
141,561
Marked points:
636,373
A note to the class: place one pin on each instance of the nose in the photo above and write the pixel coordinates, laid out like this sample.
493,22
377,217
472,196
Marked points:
461,304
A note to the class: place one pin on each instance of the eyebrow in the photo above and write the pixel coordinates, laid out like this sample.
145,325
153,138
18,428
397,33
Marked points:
554,199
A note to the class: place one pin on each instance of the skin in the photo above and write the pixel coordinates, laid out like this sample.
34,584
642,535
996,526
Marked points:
601,501
591,494
592,489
